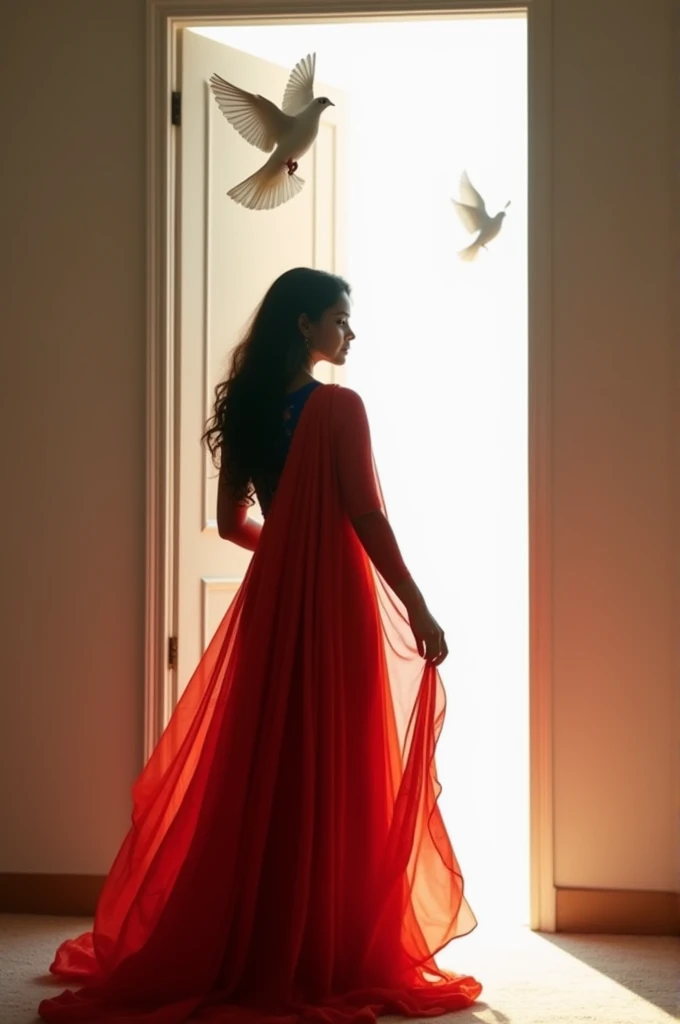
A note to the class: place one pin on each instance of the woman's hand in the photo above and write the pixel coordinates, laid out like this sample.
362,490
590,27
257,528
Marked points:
429,635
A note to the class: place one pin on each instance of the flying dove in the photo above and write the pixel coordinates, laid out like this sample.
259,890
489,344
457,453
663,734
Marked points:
287,133
472,212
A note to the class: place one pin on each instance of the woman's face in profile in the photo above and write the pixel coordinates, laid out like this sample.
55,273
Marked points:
331,337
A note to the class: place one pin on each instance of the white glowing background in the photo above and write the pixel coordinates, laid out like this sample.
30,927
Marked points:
441,360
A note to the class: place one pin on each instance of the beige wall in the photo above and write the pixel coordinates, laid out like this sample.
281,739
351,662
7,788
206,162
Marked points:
72,429
73,438
615,542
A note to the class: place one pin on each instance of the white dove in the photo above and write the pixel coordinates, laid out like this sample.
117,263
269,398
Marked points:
472,212
289,132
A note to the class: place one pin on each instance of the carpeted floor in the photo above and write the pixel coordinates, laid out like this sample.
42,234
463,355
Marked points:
528,978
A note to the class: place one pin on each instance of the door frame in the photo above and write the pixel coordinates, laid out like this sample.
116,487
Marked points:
164,21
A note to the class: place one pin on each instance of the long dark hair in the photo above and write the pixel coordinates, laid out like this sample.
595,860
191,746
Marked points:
242,434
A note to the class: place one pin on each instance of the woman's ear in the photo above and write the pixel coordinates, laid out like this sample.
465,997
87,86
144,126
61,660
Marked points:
303,324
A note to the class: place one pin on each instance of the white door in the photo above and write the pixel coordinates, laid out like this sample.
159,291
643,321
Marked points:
228,258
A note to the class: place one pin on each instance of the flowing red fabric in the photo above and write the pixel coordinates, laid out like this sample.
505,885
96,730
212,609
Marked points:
287,860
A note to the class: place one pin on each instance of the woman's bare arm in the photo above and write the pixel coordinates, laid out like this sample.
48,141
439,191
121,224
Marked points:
362,503
233,522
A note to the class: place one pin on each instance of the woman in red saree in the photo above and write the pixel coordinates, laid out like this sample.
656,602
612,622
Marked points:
287,860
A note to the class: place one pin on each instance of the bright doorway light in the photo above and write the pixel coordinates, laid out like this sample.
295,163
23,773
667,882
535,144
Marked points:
441,360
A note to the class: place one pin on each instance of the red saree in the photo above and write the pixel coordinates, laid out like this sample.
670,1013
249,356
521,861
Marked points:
287,860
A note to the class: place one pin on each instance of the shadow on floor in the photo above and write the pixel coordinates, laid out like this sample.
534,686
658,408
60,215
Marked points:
638,963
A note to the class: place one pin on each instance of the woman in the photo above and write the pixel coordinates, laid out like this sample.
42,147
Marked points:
287,861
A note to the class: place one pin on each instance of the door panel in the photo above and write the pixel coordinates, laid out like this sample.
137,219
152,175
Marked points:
228,258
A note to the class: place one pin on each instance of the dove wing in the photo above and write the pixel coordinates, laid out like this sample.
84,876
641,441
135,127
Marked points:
256,118
469,194
472,217
300,88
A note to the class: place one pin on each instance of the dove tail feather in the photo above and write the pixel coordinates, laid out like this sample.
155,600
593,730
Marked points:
265,189
470,252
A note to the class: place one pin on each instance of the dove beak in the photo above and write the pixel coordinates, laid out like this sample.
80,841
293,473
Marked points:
330,103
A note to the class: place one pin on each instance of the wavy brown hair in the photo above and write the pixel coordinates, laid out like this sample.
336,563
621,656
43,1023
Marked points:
246,426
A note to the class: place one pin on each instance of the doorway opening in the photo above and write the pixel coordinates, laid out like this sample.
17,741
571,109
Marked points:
441,359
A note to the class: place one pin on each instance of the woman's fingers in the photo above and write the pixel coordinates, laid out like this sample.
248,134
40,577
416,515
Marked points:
435,648
443,654
431,643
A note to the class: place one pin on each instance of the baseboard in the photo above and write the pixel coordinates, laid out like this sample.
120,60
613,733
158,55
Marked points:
55,895
617,912
586,911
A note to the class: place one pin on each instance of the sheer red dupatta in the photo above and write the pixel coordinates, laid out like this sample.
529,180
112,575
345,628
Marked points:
287,859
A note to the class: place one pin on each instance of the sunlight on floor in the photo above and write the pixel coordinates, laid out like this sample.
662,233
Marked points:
441,359
528,978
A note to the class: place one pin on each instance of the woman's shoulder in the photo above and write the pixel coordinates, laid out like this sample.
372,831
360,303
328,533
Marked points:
346,406
347,398
345,403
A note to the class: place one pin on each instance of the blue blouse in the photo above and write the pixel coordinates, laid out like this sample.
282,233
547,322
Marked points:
265,488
